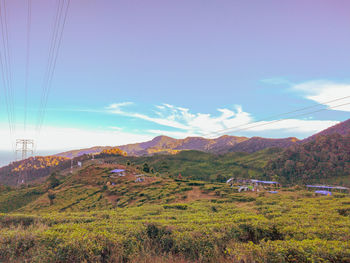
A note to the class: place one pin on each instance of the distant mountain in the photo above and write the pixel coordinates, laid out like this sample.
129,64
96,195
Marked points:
40,167
255,144
80,152
342,128
221,145
165,144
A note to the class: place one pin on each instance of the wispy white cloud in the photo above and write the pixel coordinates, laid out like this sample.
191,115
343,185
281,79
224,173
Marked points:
174,121
226,121
324,91
116,107
190,123
170,122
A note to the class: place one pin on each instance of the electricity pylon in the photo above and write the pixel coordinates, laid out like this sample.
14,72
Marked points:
24,146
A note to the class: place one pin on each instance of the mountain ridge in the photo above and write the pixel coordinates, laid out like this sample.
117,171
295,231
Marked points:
166,144
342,128
227,143
229,147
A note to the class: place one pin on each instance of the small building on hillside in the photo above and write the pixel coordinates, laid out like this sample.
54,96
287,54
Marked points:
238,181
117,172
265,183
140,178
323,192
327,188
245,188
230,181
245,184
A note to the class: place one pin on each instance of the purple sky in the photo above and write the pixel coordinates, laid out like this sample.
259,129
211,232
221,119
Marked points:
137,69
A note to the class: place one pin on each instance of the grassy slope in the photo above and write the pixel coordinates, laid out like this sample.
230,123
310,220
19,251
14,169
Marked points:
205,166
167,218
288,227
90,189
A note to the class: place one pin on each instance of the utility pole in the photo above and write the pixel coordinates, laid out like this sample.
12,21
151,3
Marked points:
24,146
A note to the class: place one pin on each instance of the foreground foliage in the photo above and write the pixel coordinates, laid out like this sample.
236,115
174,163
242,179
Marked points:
291,226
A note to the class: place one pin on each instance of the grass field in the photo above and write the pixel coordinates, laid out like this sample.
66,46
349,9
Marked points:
169,220
286,227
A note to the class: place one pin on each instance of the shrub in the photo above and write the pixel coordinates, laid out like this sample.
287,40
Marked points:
176,206
53,181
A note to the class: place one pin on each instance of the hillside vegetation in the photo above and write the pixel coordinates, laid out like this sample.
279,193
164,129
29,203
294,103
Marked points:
342,128
287,227
32,169
93,215
198,165
95,188
324,159
256,144
168,145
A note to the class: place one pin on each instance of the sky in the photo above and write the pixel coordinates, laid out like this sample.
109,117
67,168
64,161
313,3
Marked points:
128,71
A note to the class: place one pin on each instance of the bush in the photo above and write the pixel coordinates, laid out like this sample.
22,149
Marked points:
176,206
53,181
290,251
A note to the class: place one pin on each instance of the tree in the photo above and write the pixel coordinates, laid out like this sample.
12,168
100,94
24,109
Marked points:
275,178
53,181
113,152
51,197
145,168
220,178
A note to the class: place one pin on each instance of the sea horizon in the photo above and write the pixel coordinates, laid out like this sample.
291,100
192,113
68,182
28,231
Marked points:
7,157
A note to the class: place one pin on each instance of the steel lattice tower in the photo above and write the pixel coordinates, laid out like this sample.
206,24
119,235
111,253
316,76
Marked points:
24,146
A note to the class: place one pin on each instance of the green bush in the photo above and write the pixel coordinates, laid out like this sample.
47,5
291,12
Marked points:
176,206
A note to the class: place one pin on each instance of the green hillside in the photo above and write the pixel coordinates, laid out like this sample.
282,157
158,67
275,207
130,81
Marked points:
93,215
287,227
205,166
94,188
326,159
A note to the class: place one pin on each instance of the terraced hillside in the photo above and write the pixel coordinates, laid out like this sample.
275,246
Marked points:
191,164
198,165
93,215
291,226
94,187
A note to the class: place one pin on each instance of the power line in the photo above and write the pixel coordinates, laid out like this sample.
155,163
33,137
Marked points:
54,63
6,69
29,19
49,60
11,93
273,116
55,44
299,115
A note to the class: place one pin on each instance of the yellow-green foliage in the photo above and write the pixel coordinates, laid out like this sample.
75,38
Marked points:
113,151
287,227
91,220
13,200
